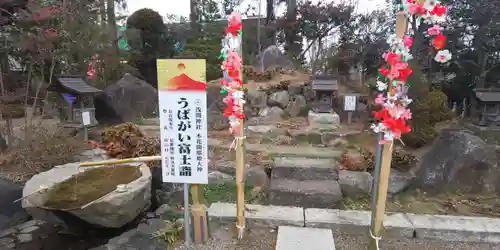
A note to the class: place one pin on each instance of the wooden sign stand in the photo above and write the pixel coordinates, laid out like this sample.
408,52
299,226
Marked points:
386,158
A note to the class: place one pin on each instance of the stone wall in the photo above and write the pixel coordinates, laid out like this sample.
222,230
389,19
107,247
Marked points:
265,105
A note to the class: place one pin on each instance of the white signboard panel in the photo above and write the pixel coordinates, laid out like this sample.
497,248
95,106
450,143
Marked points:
183,121
86,118
349,103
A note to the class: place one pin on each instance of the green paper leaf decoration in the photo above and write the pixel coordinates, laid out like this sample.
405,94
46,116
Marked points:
223,91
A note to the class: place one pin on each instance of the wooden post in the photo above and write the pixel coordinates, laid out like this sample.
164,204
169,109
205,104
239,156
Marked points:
240,163
386,157
199,215
240,182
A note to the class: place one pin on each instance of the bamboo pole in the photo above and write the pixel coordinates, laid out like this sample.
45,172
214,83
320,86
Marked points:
199,215
240,182
121,161
240,165
386,158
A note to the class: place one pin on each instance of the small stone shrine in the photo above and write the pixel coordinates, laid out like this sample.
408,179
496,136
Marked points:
322,116
74,96
325,88
486,107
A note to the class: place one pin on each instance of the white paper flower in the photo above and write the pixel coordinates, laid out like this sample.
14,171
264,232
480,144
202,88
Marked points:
429,4
381,86
377,128
388,136
405,101
237,95
443,56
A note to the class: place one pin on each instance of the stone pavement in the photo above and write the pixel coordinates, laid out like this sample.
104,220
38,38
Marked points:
397,225
299,238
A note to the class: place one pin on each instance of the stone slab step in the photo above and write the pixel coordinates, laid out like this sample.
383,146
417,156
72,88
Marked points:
308,194
302,238
282,150
299,168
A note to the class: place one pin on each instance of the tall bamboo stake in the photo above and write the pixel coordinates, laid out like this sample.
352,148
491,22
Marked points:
240,163
240,183
386,158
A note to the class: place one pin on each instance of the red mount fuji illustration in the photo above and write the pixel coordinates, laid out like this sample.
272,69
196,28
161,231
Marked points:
184,82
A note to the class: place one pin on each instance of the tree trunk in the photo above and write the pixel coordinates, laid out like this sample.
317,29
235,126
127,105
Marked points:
102,13
193,15
113,56
292,41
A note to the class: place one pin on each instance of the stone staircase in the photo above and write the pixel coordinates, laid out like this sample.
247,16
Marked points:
304,182
301,238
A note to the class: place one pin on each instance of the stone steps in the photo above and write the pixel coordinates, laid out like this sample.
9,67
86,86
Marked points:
300,238
302,169
305,182
308,194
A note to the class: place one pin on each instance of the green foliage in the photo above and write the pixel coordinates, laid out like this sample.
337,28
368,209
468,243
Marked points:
430,109
148,40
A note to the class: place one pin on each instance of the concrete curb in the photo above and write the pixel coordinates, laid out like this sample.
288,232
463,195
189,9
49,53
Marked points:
397,225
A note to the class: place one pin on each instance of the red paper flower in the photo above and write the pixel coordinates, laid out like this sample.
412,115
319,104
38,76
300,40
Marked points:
439,10
384,71
438,41
403,74
391,58
233,28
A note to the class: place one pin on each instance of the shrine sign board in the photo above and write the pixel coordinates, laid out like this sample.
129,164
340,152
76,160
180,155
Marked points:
182,99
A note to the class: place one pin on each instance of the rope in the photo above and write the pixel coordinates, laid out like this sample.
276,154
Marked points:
237,141
240,230
377,239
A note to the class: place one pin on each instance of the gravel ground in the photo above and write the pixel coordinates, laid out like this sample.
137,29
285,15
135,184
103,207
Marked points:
263,239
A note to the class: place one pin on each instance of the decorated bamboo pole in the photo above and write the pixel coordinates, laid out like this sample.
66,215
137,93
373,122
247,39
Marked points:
232,85
392,78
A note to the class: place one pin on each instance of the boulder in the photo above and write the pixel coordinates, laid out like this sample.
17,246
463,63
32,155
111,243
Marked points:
280,99
267,115
355,184
3,144
113,210
398,181
256,99
458,161
296,105
127,100
270,58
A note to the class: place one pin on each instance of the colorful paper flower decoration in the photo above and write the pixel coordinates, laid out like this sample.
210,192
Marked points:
91,70
392,81
232,84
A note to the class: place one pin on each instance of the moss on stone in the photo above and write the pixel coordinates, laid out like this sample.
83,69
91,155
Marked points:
89,186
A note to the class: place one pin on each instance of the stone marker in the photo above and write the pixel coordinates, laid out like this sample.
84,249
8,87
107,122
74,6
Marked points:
300,238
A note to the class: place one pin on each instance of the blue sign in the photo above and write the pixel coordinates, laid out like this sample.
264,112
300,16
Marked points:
69,98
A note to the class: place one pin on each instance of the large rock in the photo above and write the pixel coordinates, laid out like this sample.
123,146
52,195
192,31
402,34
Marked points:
355,184
272,57
3,143
280,98
296,105
114,210
458,160
267,115
127,100
256,99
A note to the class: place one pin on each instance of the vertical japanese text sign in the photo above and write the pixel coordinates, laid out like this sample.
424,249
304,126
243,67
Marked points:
182,102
